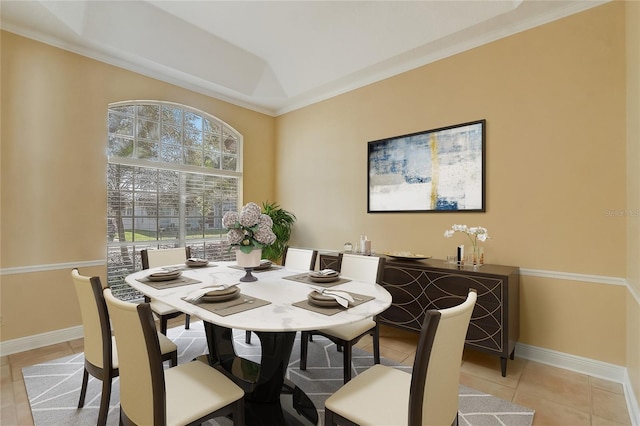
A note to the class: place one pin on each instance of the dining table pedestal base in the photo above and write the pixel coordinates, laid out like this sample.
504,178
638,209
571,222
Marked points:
248,277
293,408
270,399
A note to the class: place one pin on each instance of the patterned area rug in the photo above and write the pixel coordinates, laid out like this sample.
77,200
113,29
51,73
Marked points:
53,388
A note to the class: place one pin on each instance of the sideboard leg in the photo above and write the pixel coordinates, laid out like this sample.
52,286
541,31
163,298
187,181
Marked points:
503,366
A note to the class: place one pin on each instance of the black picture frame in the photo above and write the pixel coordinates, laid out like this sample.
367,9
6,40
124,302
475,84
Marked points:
434,171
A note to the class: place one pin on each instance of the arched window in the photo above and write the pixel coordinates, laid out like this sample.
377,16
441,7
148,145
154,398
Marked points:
173,171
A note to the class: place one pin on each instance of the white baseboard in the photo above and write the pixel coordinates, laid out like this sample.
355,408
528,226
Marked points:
590,367
22,344
632,401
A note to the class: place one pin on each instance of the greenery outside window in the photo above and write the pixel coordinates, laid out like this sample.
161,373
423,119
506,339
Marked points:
173,171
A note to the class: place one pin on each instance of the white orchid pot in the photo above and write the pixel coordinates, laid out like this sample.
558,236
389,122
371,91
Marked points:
249,260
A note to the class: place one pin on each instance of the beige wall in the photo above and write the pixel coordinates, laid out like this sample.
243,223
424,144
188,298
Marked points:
54,133
554,101
633,193
557,154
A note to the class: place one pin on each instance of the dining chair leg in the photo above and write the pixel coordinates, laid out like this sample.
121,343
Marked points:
83,389
376,344
346,361
247,337
238,413
104,400
304,343
163,325
328,418
187,321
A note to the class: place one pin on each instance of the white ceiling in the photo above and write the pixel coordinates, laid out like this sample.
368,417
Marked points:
275,56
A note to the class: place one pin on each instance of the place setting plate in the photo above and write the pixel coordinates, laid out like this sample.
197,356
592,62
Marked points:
221,295
170,278
224,301
264,264
196,263
318,299
407,256
324,276
164,276
213,293
327,304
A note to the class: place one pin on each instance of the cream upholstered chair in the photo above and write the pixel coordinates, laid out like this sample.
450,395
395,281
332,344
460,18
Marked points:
299,259
360,268
164,257
383,395
187,394
294,259
100,353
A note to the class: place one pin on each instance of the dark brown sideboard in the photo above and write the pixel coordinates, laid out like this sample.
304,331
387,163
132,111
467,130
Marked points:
417,286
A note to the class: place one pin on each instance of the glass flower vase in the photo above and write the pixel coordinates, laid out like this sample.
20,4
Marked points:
477,256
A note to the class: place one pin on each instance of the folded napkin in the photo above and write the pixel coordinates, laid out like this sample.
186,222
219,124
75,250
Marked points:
196,295
170,269
341,297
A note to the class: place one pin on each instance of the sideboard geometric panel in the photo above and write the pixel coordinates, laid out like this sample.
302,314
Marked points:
417,286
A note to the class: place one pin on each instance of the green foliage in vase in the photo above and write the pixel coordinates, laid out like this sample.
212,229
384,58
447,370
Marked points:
282,224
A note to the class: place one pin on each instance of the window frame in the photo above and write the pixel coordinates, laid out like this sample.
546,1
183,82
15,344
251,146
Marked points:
123,257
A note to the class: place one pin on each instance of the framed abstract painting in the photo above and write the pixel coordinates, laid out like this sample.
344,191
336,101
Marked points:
439,170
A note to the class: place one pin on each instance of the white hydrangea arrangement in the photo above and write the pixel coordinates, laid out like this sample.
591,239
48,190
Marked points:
250,229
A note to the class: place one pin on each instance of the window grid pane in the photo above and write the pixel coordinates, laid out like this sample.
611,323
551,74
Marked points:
172,134
160,207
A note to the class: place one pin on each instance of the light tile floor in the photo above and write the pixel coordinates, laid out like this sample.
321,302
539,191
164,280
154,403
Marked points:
560,397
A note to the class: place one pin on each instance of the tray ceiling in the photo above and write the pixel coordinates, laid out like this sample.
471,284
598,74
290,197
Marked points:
275,56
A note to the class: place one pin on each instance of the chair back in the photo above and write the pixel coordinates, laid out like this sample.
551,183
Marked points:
142,387
164,257
361,268
436,369
95,320
299,259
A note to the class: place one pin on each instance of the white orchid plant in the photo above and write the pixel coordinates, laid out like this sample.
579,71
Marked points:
250,229
475,234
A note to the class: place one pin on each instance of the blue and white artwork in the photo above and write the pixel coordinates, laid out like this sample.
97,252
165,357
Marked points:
435,170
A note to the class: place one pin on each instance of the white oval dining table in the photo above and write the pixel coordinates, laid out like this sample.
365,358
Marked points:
275,324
